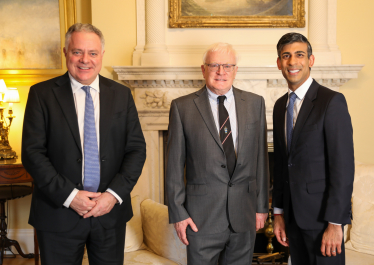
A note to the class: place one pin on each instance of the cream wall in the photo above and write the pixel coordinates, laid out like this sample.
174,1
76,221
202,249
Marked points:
355,37
117,20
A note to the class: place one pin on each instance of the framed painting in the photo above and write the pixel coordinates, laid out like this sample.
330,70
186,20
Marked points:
236,13
32,36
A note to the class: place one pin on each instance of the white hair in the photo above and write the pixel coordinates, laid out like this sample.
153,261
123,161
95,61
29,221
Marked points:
221,47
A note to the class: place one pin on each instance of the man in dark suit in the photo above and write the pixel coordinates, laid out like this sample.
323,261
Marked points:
83,145
314,161
219,135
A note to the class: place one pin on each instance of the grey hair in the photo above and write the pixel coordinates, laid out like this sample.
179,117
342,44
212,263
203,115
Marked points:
88,28
221,47
290,38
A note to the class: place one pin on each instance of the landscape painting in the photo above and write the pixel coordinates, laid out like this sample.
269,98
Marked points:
30,34
237,7
236,13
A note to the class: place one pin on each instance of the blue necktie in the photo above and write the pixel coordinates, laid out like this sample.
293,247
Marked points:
290,120
91,152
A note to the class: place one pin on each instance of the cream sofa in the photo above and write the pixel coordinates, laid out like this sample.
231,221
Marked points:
150,239
359,237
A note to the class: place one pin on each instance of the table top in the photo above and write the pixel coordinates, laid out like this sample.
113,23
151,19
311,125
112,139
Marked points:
11,173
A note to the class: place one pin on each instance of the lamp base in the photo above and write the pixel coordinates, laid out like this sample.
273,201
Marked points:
6,152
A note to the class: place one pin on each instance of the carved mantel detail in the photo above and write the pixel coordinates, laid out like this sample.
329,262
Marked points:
154,87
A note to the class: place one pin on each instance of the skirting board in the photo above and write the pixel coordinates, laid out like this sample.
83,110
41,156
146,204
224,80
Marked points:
25,238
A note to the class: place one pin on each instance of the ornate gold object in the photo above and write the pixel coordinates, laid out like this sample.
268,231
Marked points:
200,16
269,233
6,151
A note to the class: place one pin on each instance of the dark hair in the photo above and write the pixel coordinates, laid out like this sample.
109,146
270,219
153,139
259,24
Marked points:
290,38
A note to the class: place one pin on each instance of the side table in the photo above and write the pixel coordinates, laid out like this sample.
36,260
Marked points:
13,172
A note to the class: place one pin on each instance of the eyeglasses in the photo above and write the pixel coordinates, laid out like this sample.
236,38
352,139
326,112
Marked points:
214,67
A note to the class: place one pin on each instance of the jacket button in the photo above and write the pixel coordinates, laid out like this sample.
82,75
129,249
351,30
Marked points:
79,160
223,166
230,184
290,164
102,160
79,185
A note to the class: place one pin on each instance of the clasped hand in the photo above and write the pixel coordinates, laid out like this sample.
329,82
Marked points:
94,204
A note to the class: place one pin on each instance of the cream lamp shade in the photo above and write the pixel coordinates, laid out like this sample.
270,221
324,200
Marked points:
11,95
2,89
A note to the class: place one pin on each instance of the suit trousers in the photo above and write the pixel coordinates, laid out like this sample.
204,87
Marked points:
104,246
305,246
226,248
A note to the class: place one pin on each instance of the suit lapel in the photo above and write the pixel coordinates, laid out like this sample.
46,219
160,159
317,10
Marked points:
241,117
305,110
65,98
107,96
279,120
203,105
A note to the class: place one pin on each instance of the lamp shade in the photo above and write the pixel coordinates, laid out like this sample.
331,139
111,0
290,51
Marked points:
2,86
11,95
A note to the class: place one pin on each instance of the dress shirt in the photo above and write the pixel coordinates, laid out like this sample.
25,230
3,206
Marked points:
300,95
80,102
230,107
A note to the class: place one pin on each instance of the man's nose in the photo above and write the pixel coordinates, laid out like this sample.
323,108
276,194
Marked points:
220,70
84,58
292,60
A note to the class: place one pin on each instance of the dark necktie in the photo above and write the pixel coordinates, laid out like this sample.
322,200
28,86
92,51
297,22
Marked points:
290,107
226,136
91,151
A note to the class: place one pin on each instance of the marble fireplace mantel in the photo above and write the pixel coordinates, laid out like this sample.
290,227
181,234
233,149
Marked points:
155,87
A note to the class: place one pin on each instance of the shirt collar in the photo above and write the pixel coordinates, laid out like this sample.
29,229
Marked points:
229,95
75,85
301,91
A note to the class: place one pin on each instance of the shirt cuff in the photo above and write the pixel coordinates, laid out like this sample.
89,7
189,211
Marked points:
70,198
115,195
334,223
277,210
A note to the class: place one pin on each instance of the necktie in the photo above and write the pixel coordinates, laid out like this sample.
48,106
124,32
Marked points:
290,106
226,135
91,152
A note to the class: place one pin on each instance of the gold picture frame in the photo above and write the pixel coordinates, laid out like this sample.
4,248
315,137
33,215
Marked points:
196,14
28,77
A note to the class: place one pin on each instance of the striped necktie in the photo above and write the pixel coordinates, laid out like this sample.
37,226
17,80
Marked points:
225,135
91,151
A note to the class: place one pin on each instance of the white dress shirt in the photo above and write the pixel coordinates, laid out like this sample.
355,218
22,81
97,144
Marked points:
80,104
230,107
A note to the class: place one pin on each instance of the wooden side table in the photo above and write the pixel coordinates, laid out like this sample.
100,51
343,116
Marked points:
13,172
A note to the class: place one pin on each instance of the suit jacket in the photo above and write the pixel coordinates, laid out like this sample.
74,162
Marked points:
316,178
52,151
209,197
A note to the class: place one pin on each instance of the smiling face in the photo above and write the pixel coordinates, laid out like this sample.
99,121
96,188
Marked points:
84,56
219,82
294,63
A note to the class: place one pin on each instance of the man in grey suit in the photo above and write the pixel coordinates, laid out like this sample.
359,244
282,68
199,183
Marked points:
219,134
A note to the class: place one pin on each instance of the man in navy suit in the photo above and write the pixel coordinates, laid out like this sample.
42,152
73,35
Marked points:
314,161
83,145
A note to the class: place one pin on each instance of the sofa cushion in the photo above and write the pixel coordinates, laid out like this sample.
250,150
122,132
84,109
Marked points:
134,231
159,235
356,258
145,257
362,232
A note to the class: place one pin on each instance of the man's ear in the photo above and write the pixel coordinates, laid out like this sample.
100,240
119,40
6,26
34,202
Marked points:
279,64
311,60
